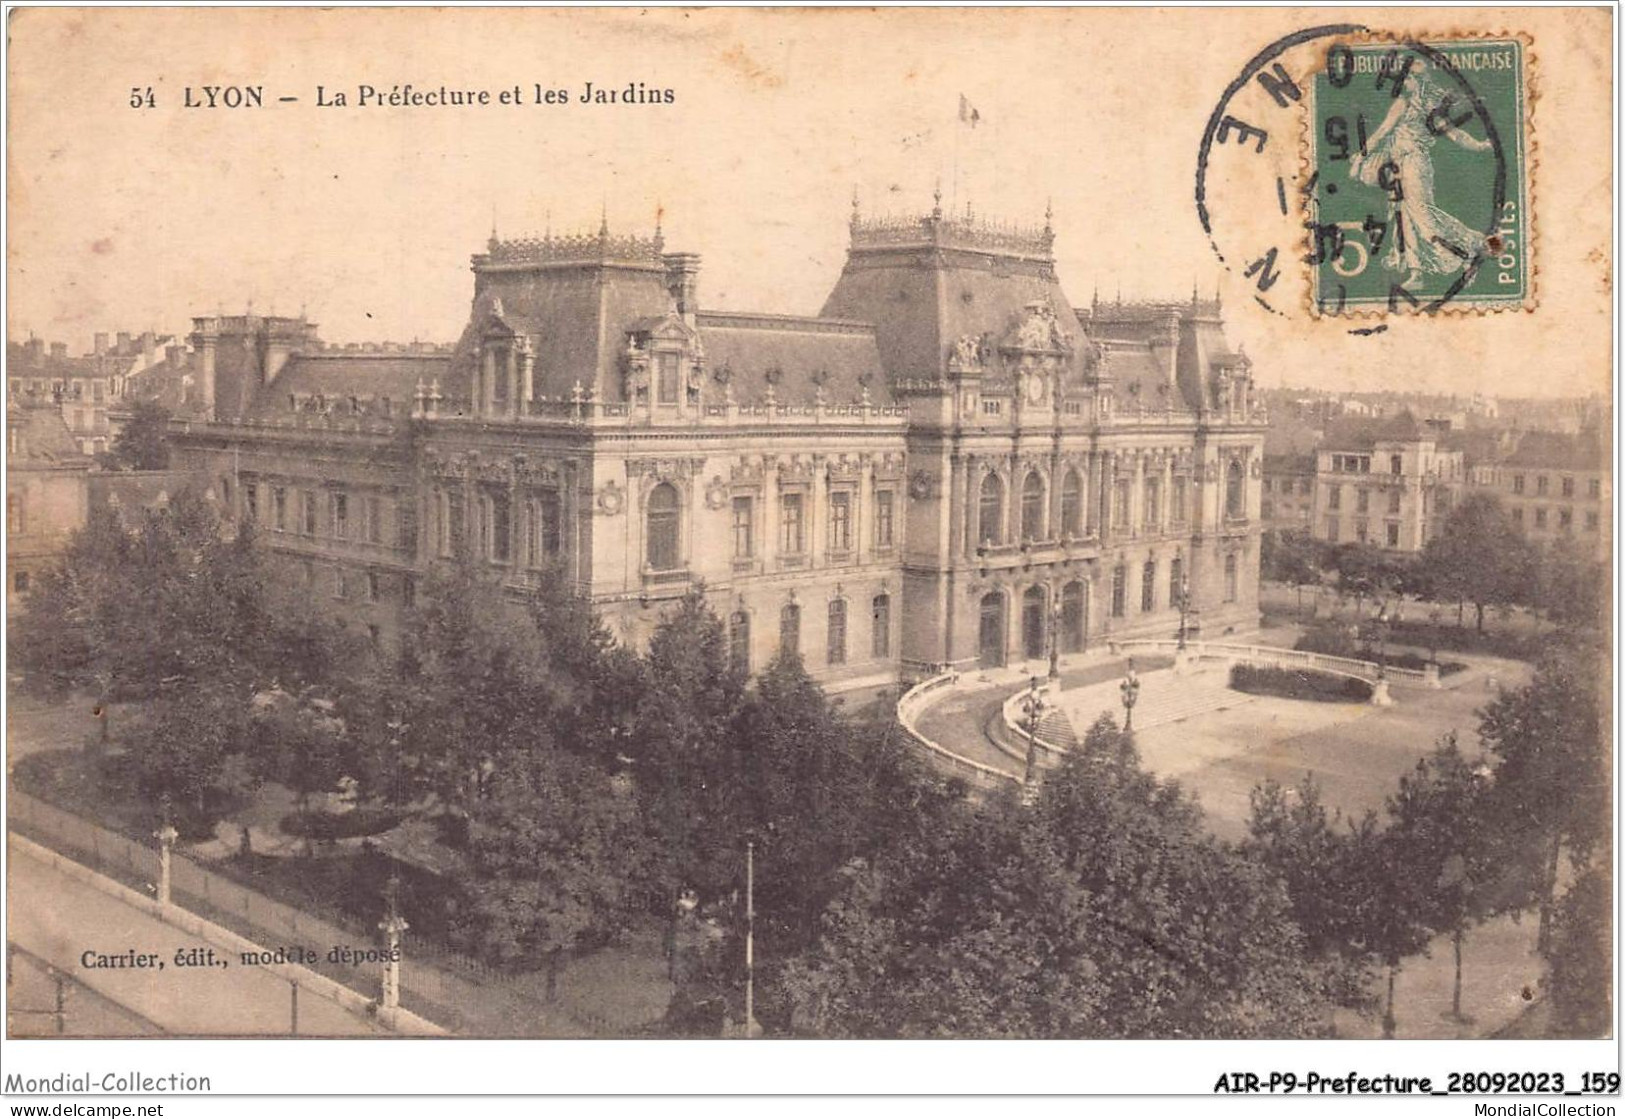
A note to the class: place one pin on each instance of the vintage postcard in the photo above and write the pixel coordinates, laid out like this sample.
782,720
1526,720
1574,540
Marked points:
874,524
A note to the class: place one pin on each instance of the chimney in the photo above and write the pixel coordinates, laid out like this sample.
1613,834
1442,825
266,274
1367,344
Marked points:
36,350
175,355
59,350
124,341
101,343
149,343
683,281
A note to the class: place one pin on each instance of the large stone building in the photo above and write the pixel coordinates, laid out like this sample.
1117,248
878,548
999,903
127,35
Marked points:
47,492
1558,489
90,391
1389,482
950,465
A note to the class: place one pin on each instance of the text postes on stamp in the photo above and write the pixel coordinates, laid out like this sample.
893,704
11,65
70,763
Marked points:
1417,197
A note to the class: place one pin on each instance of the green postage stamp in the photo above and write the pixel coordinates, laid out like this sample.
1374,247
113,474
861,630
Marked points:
1418,199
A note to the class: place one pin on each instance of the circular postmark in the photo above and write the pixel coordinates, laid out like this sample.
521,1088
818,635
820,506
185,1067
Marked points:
1375,162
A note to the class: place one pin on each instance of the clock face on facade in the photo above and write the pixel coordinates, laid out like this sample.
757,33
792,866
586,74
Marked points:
1035,388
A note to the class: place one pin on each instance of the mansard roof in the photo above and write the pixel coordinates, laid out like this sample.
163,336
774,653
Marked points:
1362,433
331,379
1558,450
800,354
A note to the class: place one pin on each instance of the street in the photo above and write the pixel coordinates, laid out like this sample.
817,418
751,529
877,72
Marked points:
56,919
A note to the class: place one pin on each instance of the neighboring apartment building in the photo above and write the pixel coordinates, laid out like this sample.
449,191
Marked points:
1288,503
47,492
89,390
948,466
1386,481
1557,487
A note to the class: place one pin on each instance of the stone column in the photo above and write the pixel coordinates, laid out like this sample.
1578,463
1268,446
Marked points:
512,374
485,383
527,373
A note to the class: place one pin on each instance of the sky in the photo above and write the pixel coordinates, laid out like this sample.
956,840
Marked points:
124,218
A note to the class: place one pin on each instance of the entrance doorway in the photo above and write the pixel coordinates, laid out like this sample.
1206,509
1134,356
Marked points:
990,647
1074,617
1033,608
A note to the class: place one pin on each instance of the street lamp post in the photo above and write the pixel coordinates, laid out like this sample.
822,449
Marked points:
1033,708
1130,687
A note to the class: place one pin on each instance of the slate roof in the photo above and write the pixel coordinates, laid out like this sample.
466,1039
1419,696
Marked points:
803,352
337,377
1559,451
1361,433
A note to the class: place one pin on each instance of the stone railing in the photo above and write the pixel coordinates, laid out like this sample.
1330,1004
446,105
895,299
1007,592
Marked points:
912,703
1285,658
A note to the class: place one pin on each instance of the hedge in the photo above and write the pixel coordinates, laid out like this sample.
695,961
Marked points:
1298,683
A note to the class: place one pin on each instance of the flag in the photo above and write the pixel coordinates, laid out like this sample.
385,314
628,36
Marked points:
968,113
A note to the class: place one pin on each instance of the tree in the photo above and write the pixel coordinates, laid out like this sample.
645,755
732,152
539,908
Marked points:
552,855
1478,556
1312,853
1441,820
143,443
181,750
684,753
1104,909
1552,768
1571,588
1389,910
1580,953
1292,558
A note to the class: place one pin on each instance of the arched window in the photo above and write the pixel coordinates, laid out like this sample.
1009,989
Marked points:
739,640
1233,490
1072,504
1148,587
880,626
990,522
1032,506
837,632
662,527
1230,578
790,629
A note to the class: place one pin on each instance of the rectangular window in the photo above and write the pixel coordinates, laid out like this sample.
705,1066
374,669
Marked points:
1179,500
1568,487
338,505
14,514
1148,588
500,515
307,506
884,532
1393,536
744,528
837,632
792,535
1119,591
341,583
1396,464
1332,529
666,390
19,582
406,526
279,508
1517,517
372,586
1176,579
880,627
409,590
1334,497
1517,483
1540,518
1153,503
1393,501
1362,531
251,501
544,518
1591,522
840,522
1542,483
992,407
1120,495
1565,519
1594,488
372,514
1362,500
